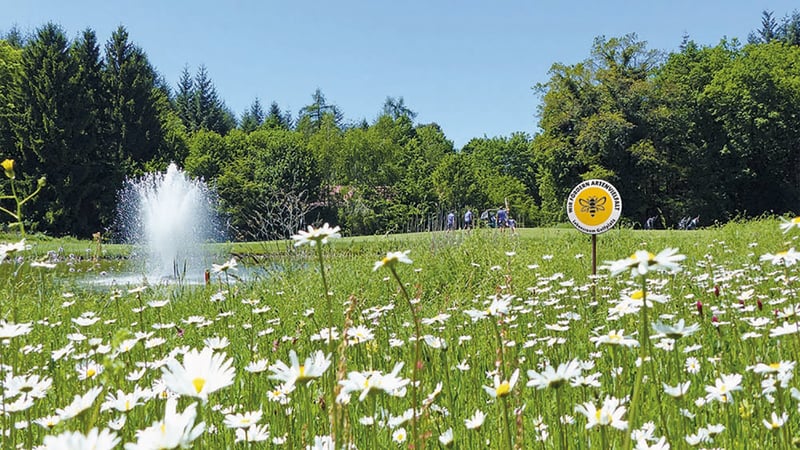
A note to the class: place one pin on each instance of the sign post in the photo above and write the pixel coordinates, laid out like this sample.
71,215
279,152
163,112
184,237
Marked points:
593,207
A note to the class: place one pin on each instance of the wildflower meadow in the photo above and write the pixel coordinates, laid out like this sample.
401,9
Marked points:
466,339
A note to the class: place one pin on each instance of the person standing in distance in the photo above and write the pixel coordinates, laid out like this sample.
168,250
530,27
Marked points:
502,218
468,219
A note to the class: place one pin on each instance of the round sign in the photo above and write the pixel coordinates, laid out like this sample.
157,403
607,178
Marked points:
594,206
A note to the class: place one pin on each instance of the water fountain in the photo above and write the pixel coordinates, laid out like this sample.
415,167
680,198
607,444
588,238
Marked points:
168,216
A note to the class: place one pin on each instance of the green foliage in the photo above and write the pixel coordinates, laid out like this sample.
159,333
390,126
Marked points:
396,108
253,118
710,131
457,182
199,106
207,155
272,175
755,100
786,31
10,73
135,129
312,116
61,132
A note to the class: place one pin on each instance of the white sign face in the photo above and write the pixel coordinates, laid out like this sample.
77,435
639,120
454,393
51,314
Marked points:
594,206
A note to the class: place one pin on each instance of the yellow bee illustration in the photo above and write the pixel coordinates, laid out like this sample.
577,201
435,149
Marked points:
593,204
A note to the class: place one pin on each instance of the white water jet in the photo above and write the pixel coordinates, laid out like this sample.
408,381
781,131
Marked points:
168,216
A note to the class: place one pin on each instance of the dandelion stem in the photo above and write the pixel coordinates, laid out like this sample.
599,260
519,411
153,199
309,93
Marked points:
637,386
603,438
332,383
417,361
561,431
450,399
19,208
657,383
4,417
500,353
507,423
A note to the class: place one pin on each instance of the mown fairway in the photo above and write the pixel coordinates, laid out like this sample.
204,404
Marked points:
514,328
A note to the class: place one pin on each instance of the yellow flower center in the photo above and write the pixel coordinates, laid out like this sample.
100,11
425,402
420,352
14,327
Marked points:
796,220
90,372
650,257
638,295
503,389
614,337
127,405
597,414
301,373
198,384
775,366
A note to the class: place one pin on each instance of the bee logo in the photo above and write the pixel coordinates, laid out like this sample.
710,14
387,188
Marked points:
593,204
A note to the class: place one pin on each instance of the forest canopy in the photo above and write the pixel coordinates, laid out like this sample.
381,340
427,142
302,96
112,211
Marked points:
709,131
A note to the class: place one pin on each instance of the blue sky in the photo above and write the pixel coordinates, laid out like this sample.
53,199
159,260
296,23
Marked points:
467,65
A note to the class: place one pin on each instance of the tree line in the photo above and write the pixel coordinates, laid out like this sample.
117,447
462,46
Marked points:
706,130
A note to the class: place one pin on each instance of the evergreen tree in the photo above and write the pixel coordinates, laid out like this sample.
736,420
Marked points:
209,112
311,115
278,119
14,37
768,30
205,101
53,124
253,117
184,103
130,83
396,108
96,173
789,30
257,111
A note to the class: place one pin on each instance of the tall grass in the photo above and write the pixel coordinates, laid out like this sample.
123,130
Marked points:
555,308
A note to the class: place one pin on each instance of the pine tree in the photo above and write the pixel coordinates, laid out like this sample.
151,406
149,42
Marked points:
277,118
95,172
768,31
51,118
252,118
311,115
396,108
130,84
14,37
184,99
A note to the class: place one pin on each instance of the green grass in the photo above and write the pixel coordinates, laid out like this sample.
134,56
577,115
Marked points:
556,309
